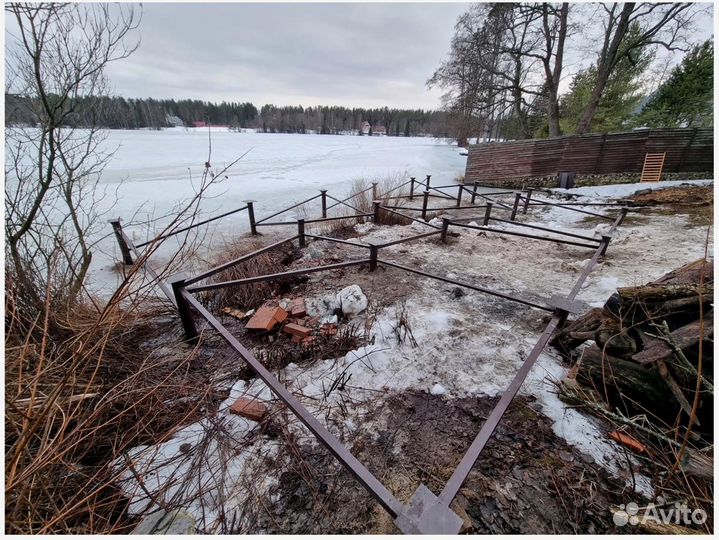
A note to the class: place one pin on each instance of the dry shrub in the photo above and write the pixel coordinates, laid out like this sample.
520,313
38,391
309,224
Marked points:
252,295
79,392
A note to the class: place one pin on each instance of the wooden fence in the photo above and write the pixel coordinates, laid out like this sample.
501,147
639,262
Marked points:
687,150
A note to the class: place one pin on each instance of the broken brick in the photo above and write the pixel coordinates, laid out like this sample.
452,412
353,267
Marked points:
266,318
297,308
308,341
329,329
297,330
249,408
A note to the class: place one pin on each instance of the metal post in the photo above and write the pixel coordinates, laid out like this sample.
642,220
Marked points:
411,188
375,195
487,213
373,250
517,197
622,215
376,205
124,249
177,282
526,201
427,181
324,202
474,192
251,214
604,244
445,228
424,203
301,231
459,195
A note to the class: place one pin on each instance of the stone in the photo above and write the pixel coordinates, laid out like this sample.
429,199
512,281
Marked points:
352,300
161,522
438,390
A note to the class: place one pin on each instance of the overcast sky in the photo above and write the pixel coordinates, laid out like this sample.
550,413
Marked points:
308,54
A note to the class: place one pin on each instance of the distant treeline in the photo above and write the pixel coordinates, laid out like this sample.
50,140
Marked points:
121,113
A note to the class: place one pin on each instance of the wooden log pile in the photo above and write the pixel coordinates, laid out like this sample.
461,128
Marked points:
648,350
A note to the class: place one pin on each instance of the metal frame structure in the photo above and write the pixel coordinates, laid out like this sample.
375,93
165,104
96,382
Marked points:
425,513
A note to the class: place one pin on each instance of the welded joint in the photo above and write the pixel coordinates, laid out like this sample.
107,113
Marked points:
427,514
567,305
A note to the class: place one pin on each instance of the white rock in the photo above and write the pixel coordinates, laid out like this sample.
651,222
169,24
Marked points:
323,306
352,300
436,222
363,228
329,319
473,224
285,303
438,390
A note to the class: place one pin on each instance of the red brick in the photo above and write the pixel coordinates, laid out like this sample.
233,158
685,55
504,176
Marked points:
297,330
329,329
249,408
297,308
266,318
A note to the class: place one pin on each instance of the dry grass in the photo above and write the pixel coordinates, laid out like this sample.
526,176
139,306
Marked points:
255,294
79,392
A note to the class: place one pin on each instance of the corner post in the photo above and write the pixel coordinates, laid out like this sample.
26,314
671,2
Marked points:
373,251
251,215
425,201
604,244
487,214
445,228
427,182
376,207
301,232
459,195
324,202
622,215
177,282
411,187
517,198
526,201
474,192
124,248
375,194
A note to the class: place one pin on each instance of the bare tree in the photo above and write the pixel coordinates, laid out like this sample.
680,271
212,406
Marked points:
659,25
56,57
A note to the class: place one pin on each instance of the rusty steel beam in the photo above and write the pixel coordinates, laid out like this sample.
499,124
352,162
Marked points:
278,275
408,239
204,222
524,235
344,456
229,264
546,229
288,208
467,285
336,240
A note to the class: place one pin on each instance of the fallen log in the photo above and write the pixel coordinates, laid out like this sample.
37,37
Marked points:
616,379
683,338
663,292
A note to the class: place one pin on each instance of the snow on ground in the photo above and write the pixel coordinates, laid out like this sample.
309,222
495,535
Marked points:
153,171
467,345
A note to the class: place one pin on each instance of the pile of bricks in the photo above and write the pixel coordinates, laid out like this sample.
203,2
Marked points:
294,321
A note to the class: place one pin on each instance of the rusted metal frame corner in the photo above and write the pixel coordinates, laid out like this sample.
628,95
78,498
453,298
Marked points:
523,235
204,222
393,506
460,474
278,275
257,222
234,262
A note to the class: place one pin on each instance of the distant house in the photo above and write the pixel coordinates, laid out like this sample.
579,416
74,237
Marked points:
174,121
376,130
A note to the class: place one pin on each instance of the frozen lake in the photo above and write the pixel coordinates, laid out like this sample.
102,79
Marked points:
153,171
